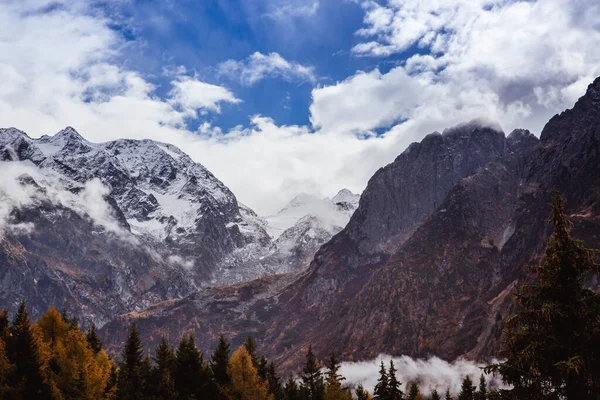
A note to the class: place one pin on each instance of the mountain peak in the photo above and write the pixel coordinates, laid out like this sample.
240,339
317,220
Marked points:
346,196
69,133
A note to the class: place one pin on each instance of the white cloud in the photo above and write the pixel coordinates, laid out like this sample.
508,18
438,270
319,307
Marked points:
516,62
259,66
193,95
284,10
430,374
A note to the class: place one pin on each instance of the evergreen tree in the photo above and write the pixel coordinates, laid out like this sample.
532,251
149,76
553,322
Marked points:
381,389
274,382
333,389
93,340
192,377
550,347
6,370
482,391
467,389
131,381
246,384
24,354
435,395
394,391
4,325
413,391
250,346
163,385
219,361
448,395
361,393
262,366
313,387
291,390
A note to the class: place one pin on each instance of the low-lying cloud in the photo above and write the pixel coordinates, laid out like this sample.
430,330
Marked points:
433,373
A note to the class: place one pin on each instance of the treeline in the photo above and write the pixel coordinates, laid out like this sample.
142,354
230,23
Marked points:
55,359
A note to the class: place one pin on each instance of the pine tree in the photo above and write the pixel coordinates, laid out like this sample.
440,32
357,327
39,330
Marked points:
192,377
291,390
274,382
382,387
333,389
163,385
413,391
250,346
24,354
467,389
448,395
93,340
361,393
313,387
131,380
219,361
482,391
246,384
435,395
394,391
549,341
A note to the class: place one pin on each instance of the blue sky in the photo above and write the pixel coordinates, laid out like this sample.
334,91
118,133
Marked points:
279,97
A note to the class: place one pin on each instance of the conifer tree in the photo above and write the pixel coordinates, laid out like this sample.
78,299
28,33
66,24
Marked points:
131,380
291,390
192,377
394,391
163,385
548,342
482,390
246,384
93,340
467,389
250,346
274,382
6,370
333,389
261,368
413,391
361,393
435,395
448,395
219,361
24,354
313,387
381,389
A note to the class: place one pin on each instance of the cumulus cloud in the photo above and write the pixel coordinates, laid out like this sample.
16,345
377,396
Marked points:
430,374
259,66
193,95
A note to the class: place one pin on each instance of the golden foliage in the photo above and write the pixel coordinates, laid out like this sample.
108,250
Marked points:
246,384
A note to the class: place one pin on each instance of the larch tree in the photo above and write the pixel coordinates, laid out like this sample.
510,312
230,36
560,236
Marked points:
246,384
333,382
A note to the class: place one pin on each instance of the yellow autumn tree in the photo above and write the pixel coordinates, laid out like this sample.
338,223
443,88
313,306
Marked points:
6,369
71,367
246,384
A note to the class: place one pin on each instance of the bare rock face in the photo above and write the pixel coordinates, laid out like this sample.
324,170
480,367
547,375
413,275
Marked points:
430,259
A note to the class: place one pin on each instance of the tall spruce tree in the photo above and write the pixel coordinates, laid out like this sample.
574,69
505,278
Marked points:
163,385
448,395
413,391
313,387
262,366
435,395
131,381
24,354
219,362
250,346
551,343
192,377
291,390
394,391
467,389
381,390
482,389
274,382
93,340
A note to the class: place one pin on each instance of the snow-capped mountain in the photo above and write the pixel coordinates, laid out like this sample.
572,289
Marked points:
142,217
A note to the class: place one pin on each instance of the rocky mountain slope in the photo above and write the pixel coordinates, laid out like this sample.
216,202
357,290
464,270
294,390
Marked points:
103,229
429,260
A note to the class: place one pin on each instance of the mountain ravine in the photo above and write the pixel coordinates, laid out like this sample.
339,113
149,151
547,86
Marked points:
428,262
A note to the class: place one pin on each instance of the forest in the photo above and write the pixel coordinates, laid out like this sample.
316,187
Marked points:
550,351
